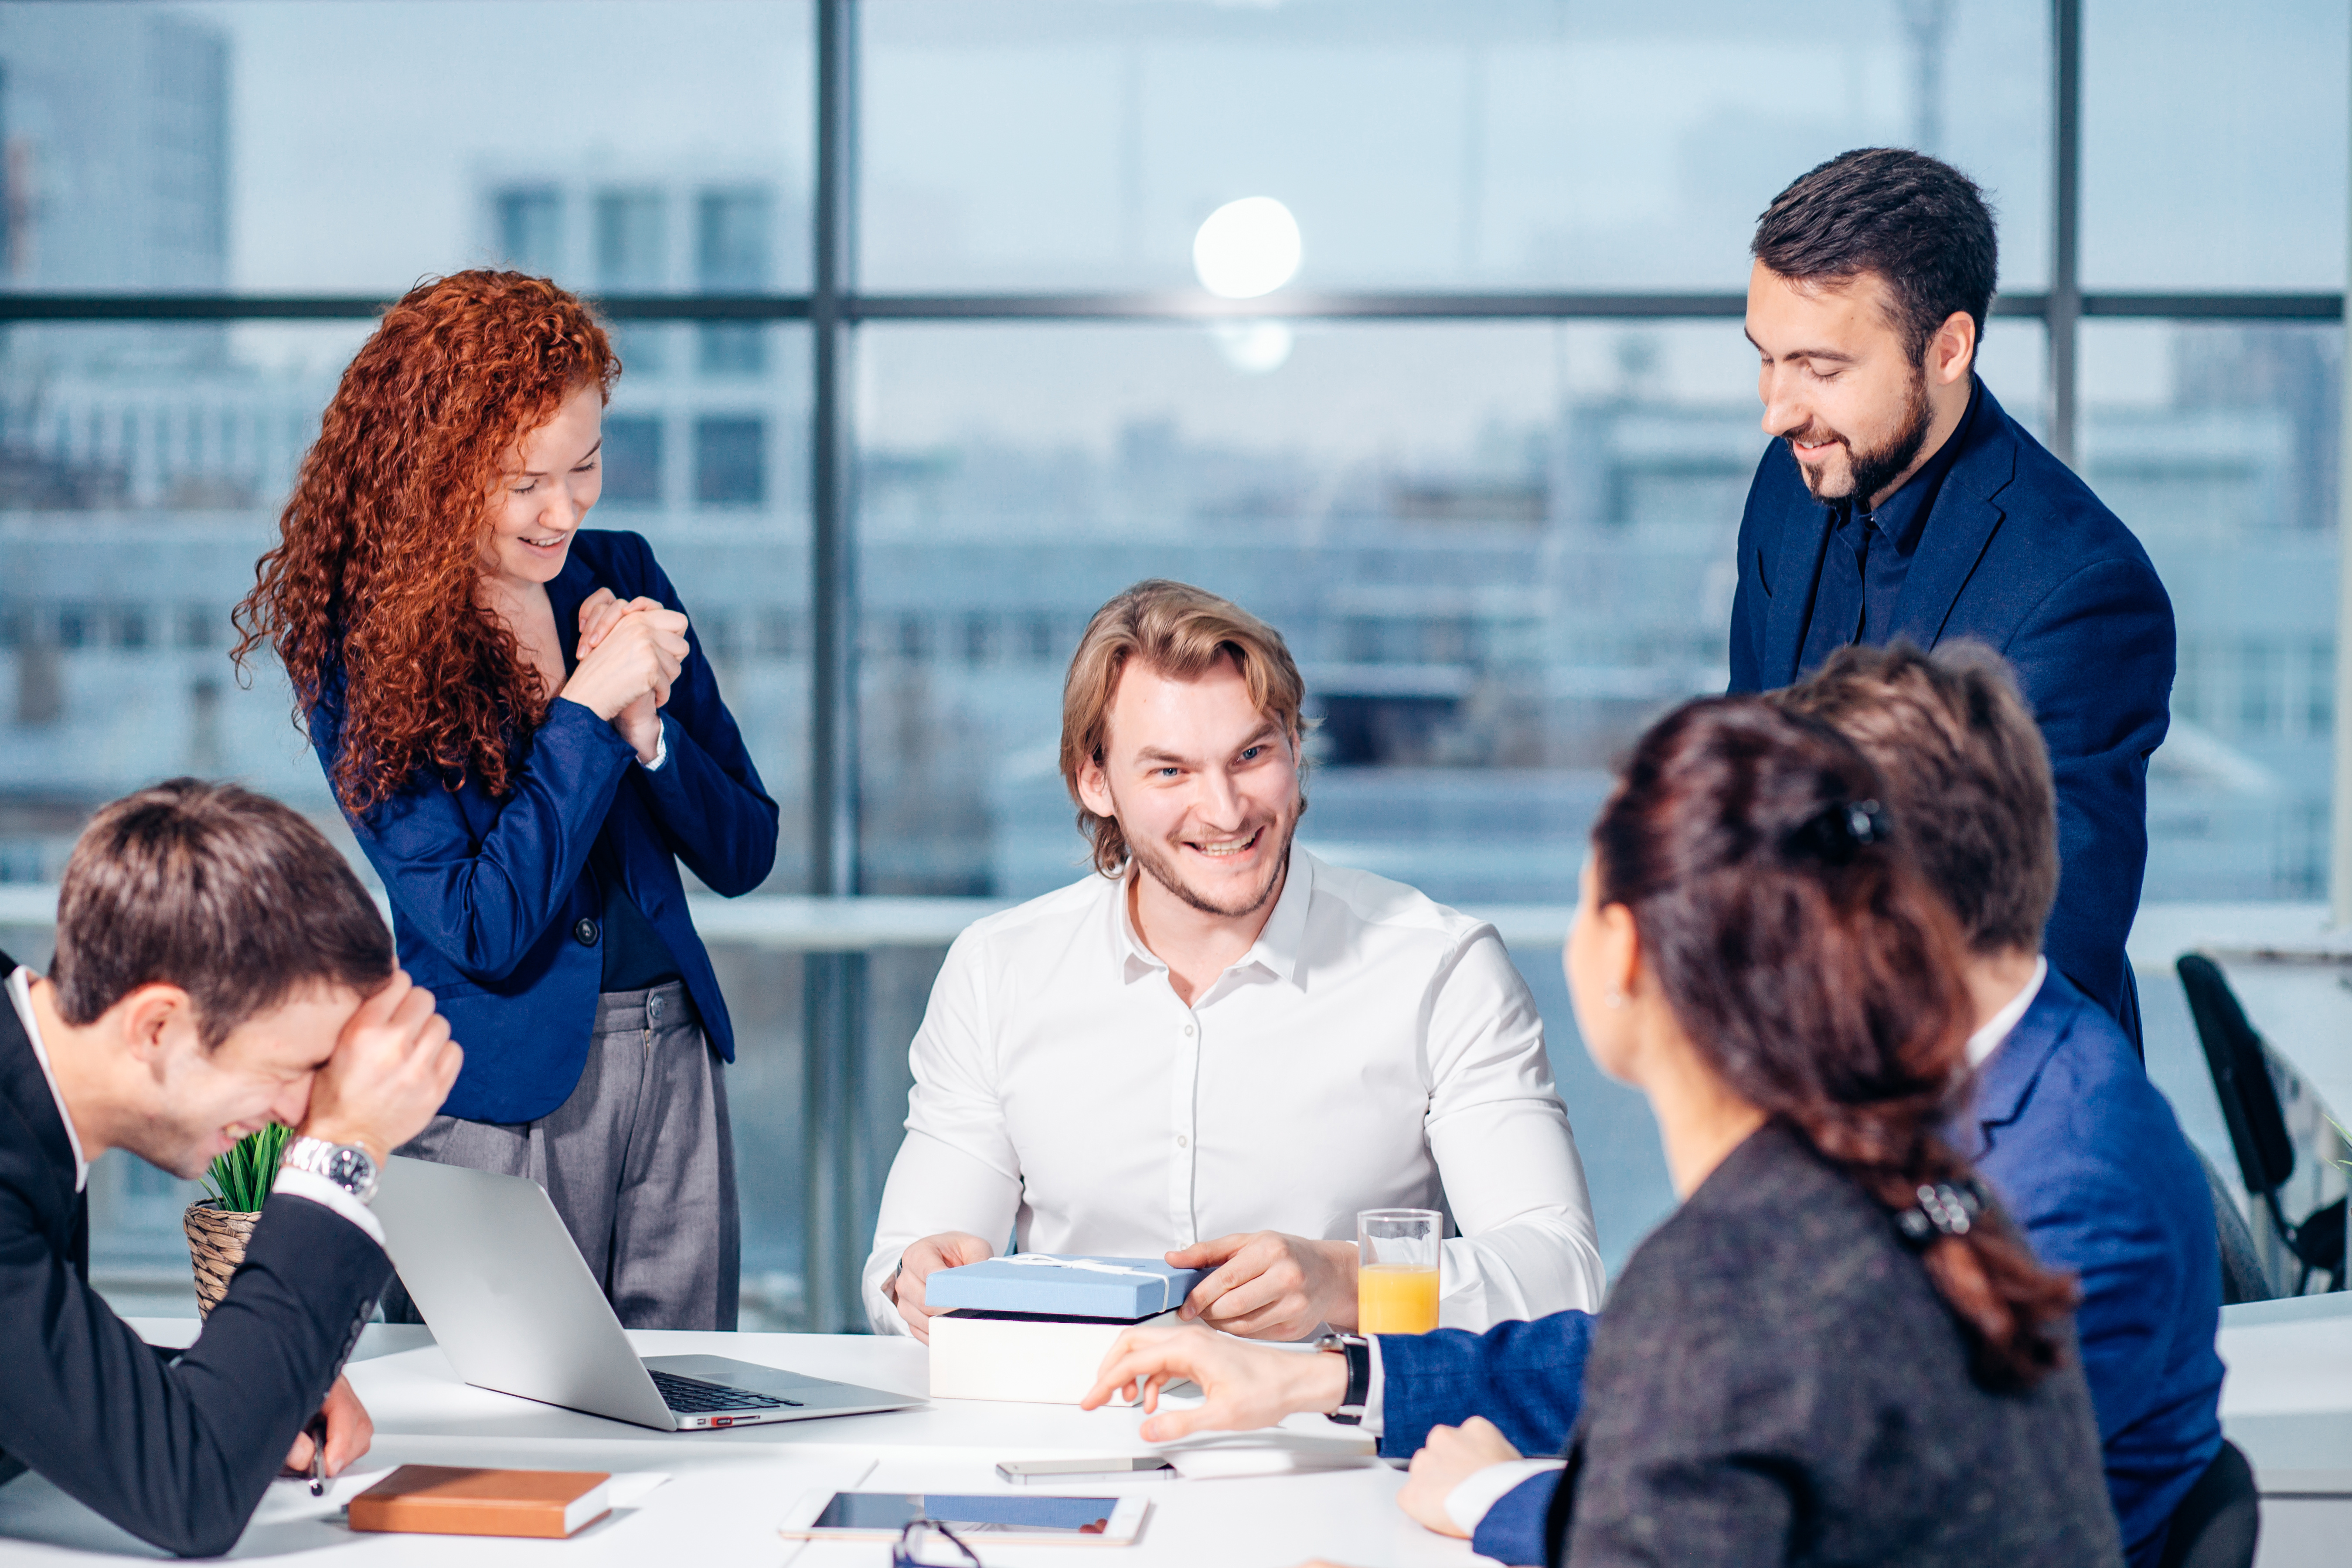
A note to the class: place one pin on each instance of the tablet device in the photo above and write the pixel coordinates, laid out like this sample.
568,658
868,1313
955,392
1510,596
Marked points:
1025,1518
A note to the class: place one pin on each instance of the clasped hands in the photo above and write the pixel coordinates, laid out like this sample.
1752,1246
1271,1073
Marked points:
630,654
1263,1285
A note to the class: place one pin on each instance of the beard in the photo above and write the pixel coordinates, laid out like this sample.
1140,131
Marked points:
1873,470
1157,863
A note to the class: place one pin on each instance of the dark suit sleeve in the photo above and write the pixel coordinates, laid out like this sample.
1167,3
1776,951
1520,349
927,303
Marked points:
1527,1378
1751,599
483,902
714,813
179,1454
2095,659
1514,1529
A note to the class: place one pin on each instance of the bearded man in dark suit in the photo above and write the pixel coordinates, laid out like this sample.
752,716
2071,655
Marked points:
1900,499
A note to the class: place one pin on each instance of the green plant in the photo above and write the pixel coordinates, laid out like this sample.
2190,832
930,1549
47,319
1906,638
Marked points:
239,1180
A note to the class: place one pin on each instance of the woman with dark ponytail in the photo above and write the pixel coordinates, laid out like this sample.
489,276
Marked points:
1837,1350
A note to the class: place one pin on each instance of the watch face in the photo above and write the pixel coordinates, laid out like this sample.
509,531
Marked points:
350,1168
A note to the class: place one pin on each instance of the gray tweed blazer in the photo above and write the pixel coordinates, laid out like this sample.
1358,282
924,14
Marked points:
1777,1381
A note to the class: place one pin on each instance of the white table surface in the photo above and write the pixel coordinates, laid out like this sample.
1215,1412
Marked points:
729,1490
2288,1402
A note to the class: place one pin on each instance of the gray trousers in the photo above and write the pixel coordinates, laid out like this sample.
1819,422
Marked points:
640,1161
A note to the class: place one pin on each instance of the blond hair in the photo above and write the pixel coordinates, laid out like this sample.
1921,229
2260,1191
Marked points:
1181,632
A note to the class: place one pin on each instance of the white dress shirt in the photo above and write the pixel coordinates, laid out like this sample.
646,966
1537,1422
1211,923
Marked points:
1374,1050
299,1183
1481,1489
20,997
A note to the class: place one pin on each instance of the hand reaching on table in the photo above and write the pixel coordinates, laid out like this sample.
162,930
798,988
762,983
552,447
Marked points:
1248,1385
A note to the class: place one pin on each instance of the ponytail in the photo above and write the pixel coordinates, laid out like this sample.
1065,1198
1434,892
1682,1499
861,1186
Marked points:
1821,981
2009,1303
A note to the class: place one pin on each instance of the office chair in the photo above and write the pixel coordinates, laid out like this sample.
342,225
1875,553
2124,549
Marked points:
2243,1277
2217,1524
2250,1105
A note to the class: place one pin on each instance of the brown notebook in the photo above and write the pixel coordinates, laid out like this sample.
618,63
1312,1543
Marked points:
446,1500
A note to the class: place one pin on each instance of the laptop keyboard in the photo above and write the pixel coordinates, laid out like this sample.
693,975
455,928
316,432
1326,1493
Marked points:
692,1396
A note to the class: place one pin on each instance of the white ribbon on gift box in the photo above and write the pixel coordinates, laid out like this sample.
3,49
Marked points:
1092,1265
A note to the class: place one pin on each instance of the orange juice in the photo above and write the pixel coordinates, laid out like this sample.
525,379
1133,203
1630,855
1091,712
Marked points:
1395,1298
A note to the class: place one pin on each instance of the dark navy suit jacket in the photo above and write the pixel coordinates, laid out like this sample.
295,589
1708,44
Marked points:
2087,1156
175,1448
487,893
2016,553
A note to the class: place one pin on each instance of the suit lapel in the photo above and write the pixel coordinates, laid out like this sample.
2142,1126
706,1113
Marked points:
26,1089
1804,535
2010,1073
565,593
1959,528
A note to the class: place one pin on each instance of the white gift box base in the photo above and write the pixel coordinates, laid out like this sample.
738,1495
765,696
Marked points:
1021,1357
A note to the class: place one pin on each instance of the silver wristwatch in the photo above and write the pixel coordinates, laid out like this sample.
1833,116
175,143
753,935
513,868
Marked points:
347,1165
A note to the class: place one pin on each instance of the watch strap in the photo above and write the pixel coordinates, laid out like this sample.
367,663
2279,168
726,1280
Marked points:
1359,1352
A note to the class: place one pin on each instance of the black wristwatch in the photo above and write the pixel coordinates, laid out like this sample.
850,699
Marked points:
1359,1352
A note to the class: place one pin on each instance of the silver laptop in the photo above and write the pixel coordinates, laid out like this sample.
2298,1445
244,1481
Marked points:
513,1306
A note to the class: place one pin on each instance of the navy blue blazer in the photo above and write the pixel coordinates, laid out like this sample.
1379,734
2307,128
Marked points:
486,893
2087,1156
2016,553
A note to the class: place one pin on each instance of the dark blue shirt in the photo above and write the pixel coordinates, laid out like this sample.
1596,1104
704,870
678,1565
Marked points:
1869,554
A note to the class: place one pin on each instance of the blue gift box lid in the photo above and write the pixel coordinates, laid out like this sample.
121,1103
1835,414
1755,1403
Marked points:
1067,1287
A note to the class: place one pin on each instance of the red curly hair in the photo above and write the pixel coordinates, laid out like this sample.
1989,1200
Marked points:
371,588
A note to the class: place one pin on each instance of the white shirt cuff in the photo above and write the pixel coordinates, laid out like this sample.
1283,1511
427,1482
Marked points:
661,750
1467,1503
1373,1389
318,1190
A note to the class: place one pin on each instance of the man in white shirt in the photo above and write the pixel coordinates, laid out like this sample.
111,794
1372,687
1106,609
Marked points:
1217,1048
217,968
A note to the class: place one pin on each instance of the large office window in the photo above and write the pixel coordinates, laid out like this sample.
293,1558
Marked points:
346,151
1481,457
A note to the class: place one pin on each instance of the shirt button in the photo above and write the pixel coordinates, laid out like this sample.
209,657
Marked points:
1188,1031
1182,1141
585,933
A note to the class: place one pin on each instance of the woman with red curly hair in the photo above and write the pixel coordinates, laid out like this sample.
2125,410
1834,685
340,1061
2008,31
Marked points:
518,720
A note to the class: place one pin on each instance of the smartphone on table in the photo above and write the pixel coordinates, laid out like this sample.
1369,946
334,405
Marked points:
1076,1472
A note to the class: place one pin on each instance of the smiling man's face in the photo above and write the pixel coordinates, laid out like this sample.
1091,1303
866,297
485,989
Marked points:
196,1102
1204,785
1837,382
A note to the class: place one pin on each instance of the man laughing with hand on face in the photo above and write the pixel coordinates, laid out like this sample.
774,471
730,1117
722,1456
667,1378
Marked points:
1217,1048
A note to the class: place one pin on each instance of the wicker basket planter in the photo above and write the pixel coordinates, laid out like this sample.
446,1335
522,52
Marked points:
216,1239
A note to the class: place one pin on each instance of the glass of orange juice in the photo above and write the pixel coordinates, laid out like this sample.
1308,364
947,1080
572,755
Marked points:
1396,1271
